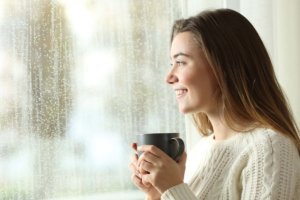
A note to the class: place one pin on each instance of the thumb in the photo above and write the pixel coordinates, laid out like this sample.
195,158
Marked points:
182,163
182,159
146,180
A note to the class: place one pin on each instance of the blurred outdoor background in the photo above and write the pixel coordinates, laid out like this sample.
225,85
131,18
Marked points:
79,78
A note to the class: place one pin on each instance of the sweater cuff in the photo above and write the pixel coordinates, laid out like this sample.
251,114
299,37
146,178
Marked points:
178,192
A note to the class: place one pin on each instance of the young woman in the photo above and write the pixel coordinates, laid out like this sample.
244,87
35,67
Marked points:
222,74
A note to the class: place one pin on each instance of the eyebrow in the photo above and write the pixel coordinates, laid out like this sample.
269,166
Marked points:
181,54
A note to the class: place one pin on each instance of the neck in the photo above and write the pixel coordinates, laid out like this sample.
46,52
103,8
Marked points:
221,130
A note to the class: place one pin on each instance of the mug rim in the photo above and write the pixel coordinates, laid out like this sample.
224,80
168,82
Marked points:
153,133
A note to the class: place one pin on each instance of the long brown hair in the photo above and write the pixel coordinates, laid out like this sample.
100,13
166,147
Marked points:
240,62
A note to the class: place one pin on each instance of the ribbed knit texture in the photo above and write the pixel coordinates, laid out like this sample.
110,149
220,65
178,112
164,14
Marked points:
261,164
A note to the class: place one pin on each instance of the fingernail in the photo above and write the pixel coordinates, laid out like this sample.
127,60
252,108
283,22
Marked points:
134,146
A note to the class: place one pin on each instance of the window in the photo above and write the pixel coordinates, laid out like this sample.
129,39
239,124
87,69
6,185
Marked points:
78,79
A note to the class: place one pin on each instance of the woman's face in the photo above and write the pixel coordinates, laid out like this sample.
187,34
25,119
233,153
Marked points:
191,76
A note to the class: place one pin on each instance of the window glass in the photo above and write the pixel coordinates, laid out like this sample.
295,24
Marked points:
78,80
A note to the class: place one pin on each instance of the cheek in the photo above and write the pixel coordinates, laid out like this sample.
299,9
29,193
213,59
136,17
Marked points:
204,85
190,78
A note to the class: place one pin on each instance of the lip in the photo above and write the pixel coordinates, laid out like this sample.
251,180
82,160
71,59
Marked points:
180,92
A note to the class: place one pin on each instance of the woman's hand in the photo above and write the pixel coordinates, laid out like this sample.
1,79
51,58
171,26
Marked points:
159,169
146,187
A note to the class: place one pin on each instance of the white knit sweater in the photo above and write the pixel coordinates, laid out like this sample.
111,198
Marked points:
261,164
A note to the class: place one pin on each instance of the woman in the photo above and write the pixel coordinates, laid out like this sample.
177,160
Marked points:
222,74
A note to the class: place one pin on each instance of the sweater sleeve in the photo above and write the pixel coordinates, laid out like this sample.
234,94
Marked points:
179,192
272,171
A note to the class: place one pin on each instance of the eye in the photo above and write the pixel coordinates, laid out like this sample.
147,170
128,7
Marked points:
180,63
177,63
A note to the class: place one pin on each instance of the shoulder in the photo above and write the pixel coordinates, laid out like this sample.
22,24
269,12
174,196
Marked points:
272,141
274,151
274,160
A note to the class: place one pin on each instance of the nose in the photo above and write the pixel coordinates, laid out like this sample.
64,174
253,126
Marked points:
171,78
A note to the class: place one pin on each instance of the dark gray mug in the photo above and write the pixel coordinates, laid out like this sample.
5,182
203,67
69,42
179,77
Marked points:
170,143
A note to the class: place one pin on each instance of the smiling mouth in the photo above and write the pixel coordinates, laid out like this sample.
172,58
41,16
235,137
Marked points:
180,92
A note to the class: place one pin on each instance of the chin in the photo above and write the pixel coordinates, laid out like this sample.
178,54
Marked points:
185,110
190,110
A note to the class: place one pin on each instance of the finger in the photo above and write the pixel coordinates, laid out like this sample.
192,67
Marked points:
139,183
134,161
134,158
146,180
134,169
146,166
183,158
149,157
151,148
134,146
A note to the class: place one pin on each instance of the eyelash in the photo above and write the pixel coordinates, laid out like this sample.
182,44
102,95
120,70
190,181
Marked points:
179,63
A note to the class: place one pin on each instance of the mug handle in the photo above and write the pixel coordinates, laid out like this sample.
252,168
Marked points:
180,147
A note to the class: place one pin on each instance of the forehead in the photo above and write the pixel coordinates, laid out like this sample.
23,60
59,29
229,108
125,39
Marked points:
184,42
